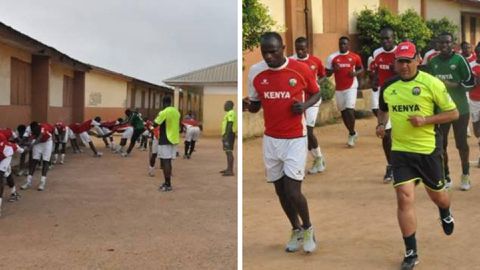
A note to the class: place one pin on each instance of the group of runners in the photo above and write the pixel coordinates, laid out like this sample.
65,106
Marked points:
45,144
415,100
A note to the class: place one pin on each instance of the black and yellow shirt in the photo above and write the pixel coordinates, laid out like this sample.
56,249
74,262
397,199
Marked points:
422,95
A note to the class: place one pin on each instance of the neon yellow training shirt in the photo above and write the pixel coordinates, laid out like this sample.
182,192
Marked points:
171,117
230,116
422,95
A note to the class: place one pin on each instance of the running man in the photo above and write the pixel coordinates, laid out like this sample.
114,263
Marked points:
169,121
475,105
229,129
454,71
42,144
192,129
135,120
467,52
383,69
279,85
346,66
411,101
302,55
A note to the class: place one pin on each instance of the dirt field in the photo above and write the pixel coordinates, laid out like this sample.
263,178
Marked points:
354,213
107,213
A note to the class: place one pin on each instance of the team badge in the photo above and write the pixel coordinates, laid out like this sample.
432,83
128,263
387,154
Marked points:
394,92
416,91
312,67
435,66
453,67
292,82
264,82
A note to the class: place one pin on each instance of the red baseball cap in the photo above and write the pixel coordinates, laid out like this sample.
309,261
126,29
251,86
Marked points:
405,50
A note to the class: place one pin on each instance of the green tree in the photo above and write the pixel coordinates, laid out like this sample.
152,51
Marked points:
255,22
413,27
443,25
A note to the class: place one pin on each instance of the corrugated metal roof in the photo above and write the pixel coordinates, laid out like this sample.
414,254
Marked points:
217,74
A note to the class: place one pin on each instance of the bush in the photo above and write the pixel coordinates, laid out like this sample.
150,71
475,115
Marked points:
443,25
327,89
255,22
408,25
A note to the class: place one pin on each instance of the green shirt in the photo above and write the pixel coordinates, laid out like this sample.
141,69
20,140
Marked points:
169,121
230,116
422,95
455,69
136,121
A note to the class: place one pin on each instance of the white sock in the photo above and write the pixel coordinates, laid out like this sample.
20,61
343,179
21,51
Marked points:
316,152
13,190
0,204
29,179
151,168
62,158
43,179
55,157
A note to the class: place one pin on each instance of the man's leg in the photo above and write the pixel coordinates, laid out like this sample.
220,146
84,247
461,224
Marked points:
94,149
133,140
62,153
442,200
31,171
407,220
167,174
192,148
187,148
229,170
14,196
350,120
314,149
387,149
151,169
460,134
445,129
287,207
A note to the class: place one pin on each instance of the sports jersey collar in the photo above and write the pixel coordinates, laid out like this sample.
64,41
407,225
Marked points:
280,67
392,50
347,52
411,79
302,59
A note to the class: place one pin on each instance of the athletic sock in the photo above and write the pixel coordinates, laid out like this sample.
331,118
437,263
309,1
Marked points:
43,179
316,152
352,133
444,212
410,242
29,179
13,190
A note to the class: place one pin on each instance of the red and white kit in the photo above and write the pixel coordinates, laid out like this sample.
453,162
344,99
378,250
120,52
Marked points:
285,141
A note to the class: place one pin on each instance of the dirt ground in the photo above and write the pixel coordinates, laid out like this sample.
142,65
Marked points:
354,213
107,213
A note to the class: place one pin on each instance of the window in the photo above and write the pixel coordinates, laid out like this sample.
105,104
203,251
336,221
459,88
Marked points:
20,82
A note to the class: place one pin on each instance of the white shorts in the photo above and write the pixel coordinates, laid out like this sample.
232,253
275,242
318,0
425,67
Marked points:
167,151
127,134
192,134
346,99
43,150
71,135
146,133
85,138
311,114
284,157
5,166
375,99
474,110
105,130
154,145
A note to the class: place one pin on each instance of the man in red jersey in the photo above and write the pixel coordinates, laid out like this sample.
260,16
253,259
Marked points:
42,144
82,131
191,127
315,65
383,69
474,102
346,66
434,51
279,85
467,52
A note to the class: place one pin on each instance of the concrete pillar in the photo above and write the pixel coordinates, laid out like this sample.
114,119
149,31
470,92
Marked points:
176,97
40,87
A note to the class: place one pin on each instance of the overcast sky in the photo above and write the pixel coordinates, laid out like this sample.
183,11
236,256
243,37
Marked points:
150,40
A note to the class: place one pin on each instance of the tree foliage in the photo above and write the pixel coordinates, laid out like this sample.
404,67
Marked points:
443,25
255,22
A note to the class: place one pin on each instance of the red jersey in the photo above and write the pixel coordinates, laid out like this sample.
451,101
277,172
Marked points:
471,58
429,55
190,122
60,128
278,89
383,62
8,133
156,132
342,64
474,94
79,128
6,150
46,131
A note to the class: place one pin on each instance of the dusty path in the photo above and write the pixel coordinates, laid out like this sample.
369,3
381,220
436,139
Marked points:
107,213
354,213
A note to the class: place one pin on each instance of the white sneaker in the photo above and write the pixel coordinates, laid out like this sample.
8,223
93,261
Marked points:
124,154
465,182
295,241
26,185
41,186
352,139
309,243
318,166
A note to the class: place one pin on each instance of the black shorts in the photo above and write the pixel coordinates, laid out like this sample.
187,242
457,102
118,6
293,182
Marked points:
228,142
427,168
136,134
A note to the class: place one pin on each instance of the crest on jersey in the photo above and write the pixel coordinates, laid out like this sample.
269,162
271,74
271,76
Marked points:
264,81
312,67
292,82
435,66
416,91
349,59
453,67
